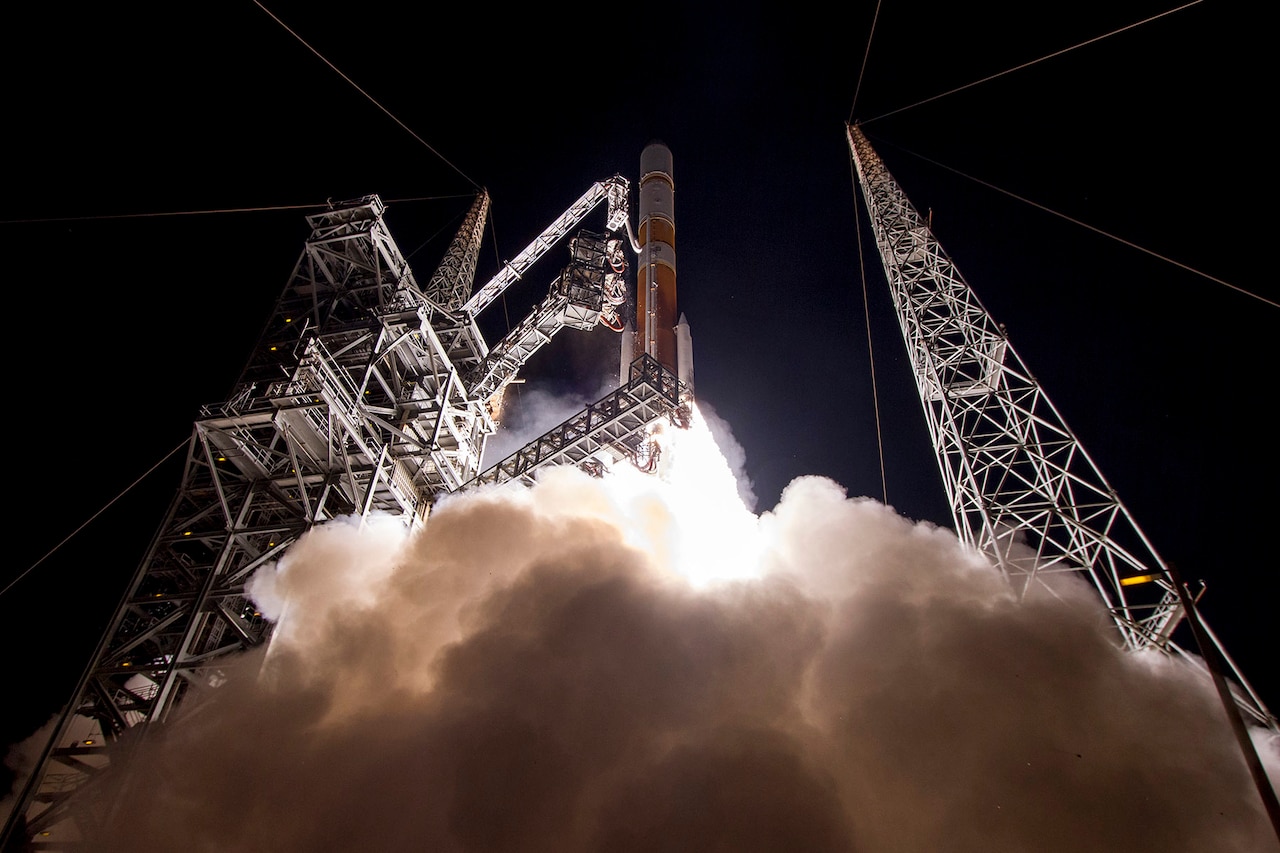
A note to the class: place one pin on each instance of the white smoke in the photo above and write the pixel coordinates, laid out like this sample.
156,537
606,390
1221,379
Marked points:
530,411
639,663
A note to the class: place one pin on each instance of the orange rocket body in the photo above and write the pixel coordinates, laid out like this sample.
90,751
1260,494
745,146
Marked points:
655,326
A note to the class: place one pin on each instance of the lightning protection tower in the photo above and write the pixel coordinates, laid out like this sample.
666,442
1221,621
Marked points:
1022,488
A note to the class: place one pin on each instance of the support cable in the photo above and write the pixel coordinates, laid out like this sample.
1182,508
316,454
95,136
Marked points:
441,230
863,70
1092,228
497,257
90,519
321,206
506,315
366,94
871,355
862,268
1029,64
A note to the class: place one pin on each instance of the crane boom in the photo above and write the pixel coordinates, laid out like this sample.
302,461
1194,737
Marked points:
577,299
614,189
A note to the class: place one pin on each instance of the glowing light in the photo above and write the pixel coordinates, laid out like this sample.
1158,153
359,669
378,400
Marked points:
690,516
1134,580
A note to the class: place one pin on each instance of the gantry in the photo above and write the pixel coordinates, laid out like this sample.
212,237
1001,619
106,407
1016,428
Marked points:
365,394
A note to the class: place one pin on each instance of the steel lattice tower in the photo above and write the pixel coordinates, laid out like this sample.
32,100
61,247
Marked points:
365,394
1022,488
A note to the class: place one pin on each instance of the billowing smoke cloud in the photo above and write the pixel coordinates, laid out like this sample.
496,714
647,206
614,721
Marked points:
560,668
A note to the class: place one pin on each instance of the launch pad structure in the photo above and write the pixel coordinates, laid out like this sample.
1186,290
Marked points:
368,393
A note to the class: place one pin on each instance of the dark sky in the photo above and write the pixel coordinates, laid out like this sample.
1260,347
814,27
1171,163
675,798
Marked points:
121,328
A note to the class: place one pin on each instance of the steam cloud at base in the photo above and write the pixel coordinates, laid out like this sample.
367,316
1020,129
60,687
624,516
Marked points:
577,666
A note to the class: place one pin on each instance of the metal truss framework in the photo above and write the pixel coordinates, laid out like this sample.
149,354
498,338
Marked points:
614,189
578,297
449,286
350,404
610,430
1022,488
364,395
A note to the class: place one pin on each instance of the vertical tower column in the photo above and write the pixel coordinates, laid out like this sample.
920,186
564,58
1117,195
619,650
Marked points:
655,333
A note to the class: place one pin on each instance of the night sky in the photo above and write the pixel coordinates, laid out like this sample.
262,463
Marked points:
121,328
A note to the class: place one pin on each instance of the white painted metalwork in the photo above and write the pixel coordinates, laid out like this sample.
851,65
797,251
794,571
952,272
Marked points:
576,299
365,394
1022,488
452,281
614,189
349,405
613,429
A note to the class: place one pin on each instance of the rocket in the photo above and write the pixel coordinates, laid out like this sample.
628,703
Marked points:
656,331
